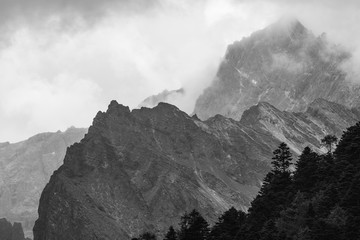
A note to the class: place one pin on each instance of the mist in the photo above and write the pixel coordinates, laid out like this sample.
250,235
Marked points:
62,61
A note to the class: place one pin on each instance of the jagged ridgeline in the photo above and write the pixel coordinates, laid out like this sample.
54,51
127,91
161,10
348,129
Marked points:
141,170
284,64
317,201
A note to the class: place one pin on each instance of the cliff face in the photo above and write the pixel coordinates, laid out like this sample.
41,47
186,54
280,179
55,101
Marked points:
10,231
25,168
140,170
284,65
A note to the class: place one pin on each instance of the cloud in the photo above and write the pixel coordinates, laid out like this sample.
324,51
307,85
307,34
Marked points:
63,60
90,10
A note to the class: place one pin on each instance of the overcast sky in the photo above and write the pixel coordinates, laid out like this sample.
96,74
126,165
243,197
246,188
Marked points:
61,61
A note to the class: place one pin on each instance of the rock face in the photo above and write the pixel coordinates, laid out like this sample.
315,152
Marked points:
25,168
284,65
299,130
10,231
140,170
165,96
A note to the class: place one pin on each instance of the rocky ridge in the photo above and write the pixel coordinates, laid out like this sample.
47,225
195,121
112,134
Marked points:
140,170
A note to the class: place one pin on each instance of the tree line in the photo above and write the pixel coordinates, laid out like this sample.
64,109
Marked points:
319,200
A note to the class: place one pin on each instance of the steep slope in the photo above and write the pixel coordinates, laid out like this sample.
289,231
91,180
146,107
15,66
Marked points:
299,130
10,231
25,168
140,170
283,64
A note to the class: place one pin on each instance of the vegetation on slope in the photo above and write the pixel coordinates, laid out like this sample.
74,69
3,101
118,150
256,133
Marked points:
317,201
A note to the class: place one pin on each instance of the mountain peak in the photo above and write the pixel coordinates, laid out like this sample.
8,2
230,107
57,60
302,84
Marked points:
114,106
289,22
258,111
284,64
288,27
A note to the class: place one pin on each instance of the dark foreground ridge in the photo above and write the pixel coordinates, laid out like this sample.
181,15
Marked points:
141,170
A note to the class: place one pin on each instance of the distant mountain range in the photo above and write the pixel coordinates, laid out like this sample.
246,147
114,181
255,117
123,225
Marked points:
25,168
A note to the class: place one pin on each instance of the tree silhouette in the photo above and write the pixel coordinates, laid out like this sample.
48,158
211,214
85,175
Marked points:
282,159
228,225
193,227
171,234
306,173
328,141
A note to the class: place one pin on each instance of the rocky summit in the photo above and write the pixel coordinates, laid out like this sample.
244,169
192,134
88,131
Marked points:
142,169
285,65
25,168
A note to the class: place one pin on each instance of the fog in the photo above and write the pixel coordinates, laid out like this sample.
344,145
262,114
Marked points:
62,61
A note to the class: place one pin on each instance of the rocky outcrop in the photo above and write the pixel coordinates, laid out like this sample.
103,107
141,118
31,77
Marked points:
25,168
10,231
140,170
285,65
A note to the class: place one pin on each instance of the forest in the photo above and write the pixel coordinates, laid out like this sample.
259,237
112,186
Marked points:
315,198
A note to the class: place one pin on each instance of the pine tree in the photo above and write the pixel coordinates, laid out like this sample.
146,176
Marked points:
351,203
269,231
193,227
282,159
293,218
228,225
348,150
306,175
275,194
171,234
329,141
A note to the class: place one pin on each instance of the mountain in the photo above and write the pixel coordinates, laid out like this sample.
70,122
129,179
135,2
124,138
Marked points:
25,168
10,231
142,169
301,129
165,96
285,65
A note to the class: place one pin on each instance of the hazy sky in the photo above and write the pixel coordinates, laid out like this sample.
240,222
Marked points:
61,61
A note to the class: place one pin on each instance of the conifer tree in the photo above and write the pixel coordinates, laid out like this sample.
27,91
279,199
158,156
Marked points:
193,227
329,141
228,225
282,159
275,194
306,174
171,234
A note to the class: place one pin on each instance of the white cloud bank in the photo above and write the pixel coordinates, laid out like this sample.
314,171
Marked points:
61,61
